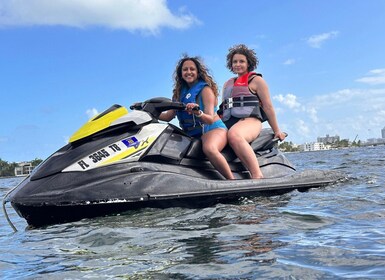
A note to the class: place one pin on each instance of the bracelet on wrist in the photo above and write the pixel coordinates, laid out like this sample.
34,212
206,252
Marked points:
200,114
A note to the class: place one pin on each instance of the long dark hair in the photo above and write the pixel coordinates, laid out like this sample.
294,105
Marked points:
203,74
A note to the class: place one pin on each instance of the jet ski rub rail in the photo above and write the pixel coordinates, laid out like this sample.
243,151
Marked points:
201,187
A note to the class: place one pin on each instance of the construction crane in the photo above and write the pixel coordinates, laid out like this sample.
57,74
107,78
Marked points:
354,141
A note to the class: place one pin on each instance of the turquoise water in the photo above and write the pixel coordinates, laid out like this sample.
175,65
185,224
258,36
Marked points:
336,232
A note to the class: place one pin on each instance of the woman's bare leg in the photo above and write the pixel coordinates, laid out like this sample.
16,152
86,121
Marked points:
240,136
213,143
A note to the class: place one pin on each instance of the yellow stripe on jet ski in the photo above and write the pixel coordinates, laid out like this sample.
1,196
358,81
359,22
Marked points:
98,123
130,151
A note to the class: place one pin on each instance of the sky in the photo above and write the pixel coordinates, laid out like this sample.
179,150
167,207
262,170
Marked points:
63,61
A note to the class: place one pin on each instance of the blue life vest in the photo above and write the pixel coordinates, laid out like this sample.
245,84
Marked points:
189,123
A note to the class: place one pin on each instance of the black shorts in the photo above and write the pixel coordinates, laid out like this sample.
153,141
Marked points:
233,120
230,122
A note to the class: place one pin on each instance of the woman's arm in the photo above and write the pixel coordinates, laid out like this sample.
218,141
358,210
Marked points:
259,86
167,116
209,101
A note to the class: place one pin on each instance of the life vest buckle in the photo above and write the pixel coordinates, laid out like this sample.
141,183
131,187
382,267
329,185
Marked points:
229,103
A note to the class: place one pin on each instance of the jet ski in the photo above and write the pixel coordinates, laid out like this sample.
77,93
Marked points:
122,160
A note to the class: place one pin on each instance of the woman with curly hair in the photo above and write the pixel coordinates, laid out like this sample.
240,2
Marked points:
246,104
194,86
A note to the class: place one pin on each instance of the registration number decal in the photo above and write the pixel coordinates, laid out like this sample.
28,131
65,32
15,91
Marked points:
110,151
130,148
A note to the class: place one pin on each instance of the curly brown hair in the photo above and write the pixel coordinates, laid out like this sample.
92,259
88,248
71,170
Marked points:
203,73
252,59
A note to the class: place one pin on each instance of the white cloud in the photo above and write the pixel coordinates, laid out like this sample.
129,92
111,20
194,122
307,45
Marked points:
91,113
312,113
346,113
338,97
148,15
316,41
375,77
378,71
379,118
302,128
290,100
361,97
289,61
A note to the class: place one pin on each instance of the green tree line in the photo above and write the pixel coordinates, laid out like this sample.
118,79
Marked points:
8,168
288,147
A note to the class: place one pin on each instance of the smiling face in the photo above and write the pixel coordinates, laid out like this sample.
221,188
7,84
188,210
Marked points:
189,72
239,64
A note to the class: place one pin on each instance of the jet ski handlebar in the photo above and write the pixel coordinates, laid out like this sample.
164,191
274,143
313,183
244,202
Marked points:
155,106
276,139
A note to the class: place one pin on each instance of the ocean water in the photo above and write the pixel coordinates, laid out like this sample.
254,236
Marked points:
334,232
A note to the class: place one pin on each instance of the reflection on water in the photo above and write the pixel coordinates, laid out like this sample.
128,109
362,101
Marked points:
327,233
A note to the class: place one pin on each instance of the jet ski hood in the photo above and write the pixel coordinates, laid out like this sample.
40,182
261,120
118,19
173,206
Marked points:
114,116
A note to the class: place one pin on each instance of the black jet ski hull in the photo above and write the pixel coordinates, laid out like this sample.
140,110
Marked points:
124,189
120,161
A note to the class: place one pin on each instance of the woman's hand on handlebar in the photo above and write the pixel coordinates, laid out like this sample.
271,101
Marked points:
280,135
192,108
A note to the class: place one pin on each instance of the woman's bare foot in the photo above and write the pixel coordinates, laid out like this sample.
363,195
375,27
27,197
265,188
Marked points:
257,176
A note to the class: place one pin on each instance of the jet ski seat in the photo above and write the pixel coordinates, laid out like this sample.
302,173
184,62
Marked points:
195,151
265,141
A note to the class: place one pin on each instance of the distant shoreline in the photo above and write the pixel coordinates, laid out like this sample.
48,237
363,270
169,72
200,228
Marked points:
7,177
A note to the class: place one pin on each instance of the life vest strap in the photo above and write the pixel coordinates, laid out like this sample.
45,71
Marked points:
189,121
240,101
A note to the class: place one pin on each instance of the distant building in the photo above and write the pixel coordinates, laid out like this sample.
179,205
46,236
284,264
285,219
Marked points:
375,141
328,139
314,146
23,169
